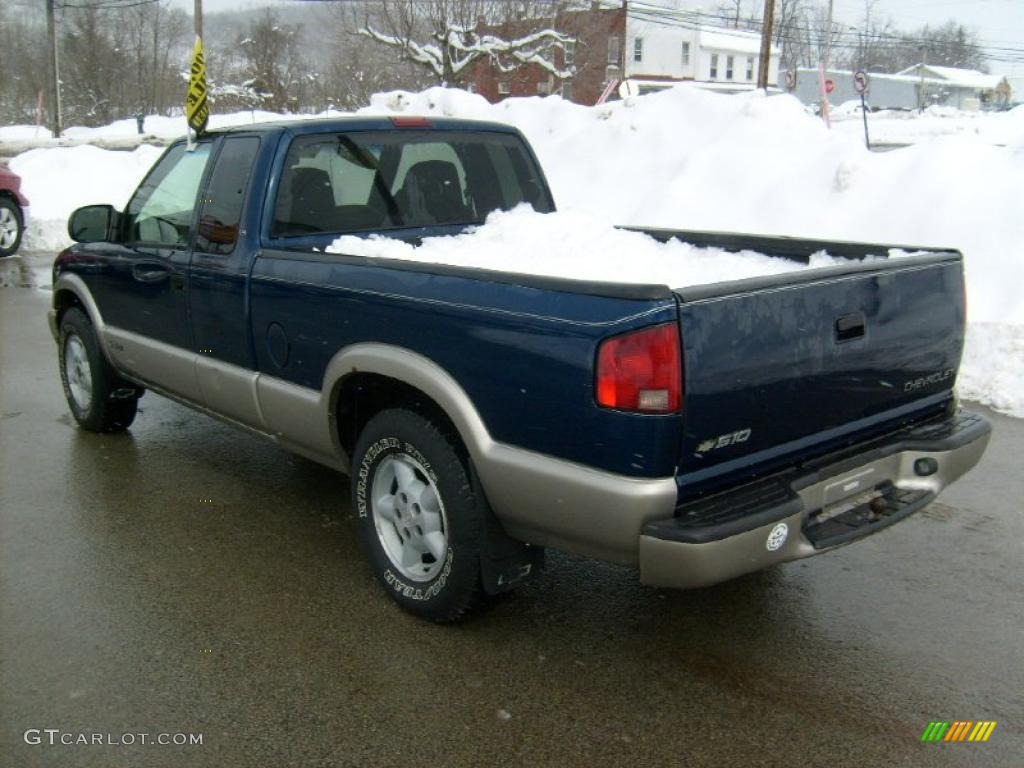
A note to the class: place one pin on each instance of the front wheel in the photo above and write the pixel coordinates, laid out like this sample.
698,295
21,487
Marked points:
99,400
421,524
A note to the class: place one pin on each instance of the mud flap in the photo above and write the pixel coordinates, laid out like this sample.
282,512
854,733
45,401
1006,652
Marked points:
505,563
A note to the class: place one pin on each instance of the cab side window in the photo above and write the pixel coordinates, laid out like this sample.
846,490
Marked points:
221,209
161,211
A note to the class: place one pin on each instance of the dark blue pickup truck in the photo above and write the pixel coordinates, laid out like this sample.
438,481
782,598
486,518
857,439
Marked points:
697,434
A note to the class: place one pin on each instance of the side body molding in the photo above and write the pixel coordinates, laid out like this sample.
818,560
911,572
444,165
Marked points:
540,499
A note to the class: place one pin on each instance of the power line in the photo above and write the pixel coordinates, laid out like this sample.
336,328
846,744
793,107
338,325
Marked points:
843,39
106,5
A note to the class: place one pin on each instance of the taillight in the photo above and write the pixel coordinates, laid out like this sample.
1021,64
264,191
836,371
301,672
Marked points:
641,371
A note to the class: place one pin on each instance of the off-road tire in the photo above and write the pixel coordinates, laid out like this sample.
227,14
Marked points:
402,435
113,402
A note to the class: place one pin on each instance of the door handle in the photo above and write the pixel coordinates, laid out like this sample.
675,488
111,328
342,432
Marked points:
850,327
150,273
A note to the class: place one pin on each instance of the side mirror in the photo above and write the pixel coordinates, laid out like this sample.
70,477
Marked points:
93,224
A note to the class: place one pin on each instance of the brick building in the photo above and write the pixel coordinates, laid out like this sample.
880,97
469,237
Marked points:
613,44
597,53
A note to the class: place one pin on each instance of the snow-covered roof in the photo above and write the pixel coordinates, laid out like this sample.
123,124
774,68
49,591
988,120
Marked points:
966,78
931,78
722,39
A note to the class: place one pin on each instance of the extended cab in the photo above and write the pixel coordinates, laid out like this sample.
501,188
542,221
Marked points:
697,433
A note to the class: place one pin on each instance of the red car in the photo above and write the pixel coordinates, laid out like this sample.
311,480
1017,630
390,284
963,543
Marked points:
13,212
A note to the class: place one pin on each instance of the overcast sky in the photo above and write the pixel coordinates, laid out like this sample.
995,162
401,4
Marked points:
996,22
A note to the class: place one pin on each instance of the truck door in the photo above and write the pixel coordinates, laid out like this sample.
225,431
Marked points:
217,277
144,288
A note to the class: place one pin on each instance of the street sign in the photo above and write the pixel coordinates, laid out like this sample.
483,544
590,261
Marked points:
790,80
607,90
860,81
830,85
860,85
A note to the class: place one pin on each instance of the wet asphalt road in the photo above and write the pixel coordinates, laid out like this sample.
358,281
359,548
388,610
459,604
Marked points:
186,577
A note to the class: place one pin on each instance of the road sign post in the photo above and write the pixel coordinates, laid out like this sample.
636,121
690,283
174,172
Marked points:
861,84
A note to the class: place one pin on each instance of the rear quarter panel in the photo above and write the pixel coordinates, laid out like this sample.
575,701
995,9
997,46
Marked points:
524,355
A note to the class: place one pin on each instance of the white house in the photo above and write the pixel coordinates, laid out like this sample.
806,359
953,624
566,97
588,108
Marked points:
657,54
960,88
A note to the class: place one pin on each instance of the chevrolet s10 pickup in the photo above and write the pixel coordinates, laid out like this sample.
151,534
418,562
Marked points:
482,416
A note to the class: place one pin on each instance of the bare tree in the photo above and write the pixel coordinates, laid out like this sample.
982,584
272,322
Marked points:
447,37
276,68
730,12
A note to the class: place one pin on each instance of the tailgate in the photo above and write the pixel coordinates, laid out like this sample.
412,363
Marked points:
790,366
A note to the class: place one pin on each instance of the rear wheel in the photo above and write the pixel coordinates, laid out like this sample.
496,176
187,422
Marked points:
99,399
11,227
421,524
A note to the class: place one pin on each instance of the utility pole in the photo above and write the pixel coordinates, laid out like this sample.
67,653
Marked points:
920,88
54,70
764,63
825,106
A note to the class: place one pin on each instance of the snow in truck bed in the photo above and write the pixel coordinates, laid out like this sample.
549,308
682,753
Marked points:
575,245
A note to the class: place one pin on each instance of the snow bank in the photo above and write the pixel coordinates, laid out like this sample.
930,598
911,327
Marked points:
687,158
575,245
912,127
23,133
57,181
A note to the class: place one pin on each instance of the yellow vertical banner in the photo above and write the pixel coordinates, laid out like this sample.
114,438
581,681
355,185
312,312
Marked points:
197,111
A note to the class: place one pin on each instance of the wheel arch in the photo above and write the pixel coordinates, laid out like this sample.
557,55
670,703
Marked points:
69,290
366,378
18,201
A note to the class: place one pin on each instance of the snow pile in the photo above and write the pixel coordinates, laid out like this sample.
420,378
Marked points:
911,127
57,181
575,245
687,158
690,159
154,126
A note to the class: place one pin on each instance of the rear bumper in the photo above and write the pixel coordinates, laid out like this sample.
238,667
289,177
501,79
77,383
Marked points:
813,509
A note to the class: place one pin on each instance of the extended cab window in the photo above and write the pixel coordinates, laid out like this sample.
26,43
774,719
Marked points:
161,210
373,181
221,209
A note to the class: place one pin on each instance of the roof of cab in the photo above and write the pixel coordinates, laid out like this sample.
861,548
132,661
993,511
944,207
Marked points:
362,123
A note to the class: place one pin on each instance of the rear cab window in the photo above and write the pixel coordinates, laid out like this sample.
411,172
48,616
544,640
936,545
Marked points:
374,181
221,209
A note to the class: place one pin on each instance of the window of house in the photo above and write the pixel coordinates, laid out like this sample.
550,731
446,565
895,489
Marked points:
729,60
569,52
638,49
567,90
613,50
686,54
714,66
750,69
503,88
